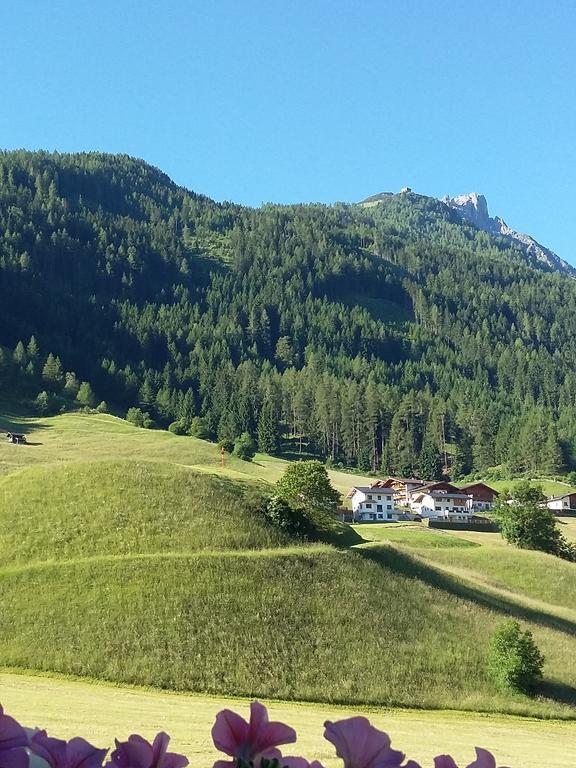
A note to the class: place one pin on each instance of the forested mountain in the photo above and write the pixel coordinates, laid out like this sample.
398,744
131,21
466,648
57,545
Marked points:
367,335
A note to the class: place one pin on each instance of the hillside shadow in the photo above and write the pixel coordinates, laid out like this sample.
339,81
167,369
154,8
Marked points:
552,689
408,566
11,422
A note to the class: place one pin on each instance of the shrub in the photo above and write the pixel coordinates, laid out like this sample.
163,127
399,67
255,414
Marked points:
102,407
244,447
177,427
199,428
526,522
307,482
515,661
291,519
135,416
43,403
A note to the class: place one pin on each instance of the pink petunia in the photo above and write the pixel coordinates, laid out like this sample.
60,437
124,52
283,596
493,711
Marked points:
139,753
76,753
298,762
484,759
249,741
13,740
444,761
361,745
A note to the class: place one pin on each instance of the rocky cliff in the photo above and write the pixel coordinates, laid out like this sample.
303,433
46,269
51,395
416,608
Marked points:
474,208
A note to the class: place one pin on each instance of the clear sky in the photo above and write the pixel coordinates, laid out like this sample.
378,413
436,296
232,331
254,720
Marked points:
309,100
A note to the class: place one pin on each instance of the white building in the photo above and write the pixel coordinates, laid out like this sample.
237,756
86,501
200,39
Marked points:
441,501
565,503
373,504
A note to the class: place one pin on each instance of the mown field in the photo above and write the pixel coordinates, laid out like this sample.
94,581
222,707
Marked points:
100,713
131,556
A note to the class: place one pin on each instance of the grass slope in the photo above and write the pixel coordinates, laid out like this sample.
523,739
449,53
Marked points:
125,507
317,625
100,713
80,437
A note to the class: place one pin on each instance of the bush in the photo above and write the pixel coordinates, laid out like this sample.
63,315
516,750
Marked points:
102,407
291,519
44,403
526,522
177,428
199,428
227,444
244,447
135,416
515,661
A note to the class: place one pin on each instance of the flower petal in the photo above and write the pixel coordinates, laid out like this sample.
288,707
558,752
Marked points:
361,745
81,754
484,759
134,753
11,732
14,758
53,751
229,732
444,761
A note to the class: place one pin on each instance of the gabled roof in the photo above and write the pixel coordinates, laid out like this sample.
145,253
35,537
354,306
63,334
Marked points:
366,489
563,496
471,486
389,481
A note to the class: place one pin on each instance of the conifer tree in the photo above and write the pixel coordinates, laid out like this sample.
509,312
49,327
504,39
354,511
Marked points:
268,433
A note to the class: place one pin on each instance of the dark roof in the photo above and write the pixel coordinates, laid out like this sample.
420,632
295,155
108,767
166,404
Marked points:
469,486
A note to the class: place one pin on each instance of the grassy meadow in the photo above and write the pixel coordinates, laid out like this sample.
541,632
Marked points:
131,556
81,437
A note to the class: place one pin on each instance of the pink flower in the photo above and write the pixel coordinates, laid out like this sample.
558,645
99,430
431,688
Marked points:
139,753
360,745
444,761
298,762
13,739
249,741
484,759
76,753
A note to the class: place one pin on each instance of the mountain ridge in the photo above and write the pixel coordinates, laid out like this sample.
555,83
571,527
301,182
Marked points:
473,209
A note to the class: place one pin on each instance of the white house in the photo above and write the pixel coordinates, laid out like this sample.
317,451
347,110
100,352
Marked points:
565,503
373,504
441,501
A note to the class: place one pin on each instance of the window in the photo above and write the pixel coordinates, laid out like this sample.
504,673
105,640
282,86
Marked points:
388,498
369,496
388,506
379,507
368,505
380,517
438,509
379,498
389,516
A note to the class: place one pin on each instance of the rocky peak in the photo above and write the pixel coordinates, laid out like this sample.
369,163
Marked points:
474,208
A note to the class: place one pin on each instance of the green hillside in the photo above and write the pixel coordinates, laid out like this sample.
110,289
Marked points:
125,507
162,572
369,336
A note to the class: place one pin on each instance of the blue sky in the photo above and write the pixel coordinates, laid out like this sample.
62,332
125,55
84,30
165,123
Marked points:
309,100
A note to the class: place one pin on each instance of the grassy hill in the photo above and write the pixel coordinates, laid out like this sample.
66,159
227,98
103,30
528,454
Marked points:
131,556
